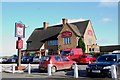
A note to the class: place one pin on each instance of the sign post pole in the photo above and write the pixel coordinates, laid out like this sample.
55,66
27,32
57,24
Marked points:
20,33
19,54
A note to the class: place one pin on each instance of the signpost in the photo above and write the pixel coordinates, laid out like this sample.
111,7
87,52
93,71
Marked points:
20,33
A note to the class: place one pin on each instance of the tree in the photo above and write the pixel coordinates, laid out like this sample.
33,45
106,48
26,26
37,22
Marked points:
81,44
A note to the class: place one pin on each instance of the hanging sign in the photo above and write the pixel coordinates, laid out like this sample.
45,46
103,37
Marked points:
19,44
19,30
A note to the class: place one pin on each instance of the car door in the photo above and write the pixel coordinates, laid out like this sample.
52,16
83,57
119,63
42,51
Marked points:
58,62
66,63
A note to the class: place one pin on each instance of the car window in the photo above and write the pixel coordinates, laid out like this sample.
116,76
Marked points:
107,58
57,58
90,56
83,56
64,59
65,53
36,57
45,58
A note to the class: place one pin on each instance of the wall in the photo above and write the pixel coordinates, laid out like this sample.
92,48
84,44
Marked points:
74,40
89,38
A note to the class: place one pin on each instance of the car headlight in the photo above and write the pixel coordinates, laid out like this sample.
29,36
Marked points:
107,67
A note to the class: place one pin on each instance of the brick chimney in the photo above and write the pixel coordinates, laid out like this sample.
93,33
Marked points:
64,21
45,25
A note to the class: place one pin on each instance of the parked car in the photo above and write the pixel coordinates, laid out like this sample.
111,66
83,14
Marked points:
3,60
27,59
103,64
72,53
58,63
36,59
86,58
12,59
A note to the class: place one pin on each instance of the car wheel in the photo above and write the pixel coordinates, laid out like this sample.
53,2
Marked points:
53,69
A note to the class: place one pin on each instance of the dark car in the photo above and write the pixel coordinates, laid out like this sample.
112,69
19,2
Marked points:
12,59
26,59
102,66
58,63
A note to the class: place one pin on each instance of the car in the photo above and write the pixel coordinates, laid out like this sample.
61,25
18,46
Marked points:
36,59
26,59
12,59
86,58
58,63
72,53
102,66
3,60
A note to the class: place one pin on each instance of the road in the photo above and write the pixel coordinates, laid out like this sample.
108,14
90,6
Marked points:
35,74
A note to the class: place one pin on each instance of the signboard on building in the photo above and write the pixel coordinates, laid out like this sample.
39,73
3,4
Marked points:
90,32
19,30
66,34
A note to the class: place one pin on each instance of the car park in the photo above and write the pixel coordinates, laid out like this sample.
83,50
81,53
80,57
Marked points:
86,58
102,66
58,63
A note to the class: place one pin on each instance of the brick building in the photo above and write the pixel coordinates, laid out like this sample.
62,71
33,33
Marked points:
51,39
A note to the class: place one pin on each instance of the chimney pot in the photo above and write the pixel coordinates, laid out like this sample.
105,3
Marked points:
64,21
45,25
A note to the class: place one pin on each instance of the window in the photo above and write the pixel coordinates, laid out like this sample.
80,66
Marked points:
57,58
64,59
67,40
53,42
90,49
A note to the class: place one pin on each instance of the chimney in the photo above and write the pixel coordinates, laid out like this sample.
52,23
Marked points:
45,25
64,21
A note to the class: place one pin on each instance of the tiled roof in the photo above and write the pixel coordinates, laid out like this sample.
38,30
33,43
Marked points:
39,35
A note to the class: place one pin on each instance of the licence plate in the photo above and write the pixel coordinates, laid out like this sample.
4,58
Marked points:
96,71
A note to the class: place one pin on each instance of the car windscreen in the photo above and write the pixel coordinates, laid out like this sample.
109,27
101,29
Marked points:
36,57
65,53
45,58
107,58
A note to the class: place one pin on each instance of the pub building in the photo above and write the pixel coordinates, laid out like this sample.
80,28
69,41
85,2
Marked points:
50,40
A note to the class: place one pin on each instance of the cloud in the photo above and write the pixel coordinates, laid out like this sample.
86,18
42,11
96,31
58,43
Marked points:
106,20
70,21
108,3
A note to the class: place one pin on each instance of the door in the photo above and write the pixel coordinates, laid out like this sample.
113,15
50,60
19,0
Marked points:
58,63
66,63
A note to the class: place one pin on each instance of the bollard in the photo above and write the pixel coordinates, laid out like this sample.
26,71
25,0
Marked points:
29,69
113,72
13,69
75,71
49,69
0,68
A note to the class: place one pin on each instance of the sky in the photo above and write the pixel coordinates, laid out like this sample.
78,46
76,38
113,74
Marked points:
103,16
